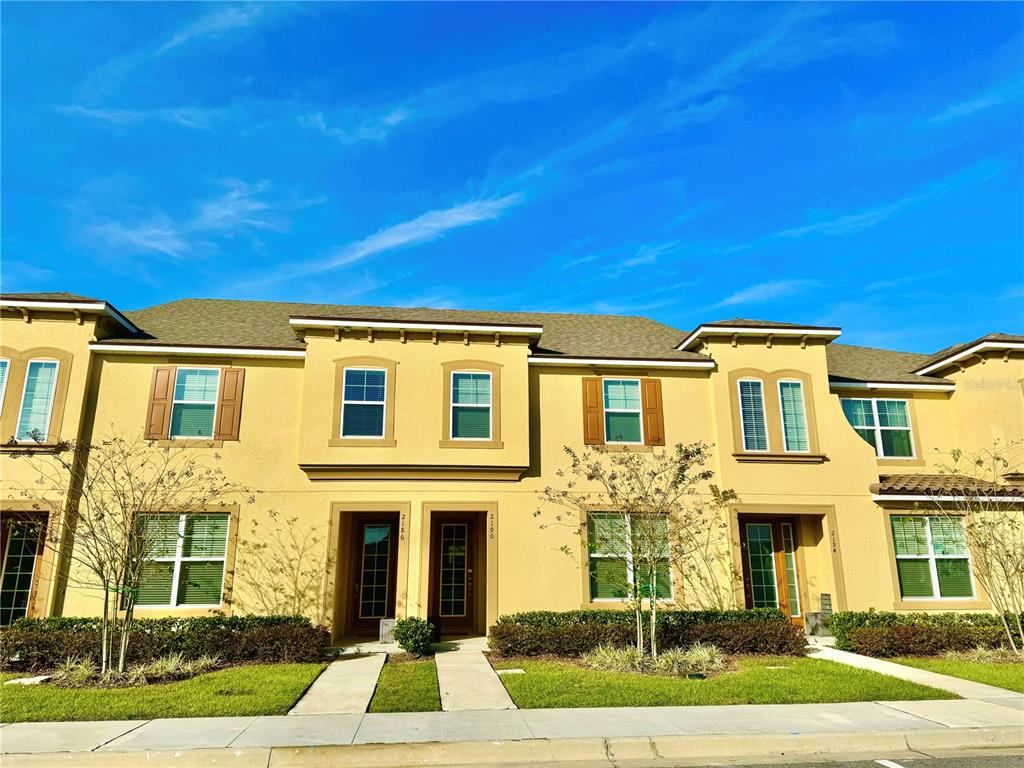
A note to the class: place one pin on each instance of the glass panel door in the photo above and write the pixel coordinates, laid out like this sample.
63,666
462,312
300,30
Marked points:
761,558
375,569
454,543
18,569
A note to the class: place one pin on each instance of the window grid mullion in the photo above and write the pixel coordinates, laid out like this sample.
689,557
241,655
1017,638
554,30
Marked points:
178,549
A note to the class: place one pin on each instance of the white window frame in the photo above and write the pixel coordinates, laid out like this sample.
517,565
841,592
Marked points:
750,565
49,406
764,416
7,377
177,558
782,415
783,527
933,571
176,402
638,411
879,429
383,403
452,406
628,557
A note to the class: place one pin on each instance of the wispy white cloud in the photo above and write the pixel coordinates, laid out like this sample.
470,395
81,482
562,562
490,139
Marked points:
102,219
868,218
420,229
914,278
210,25
188,117
1005,92
767,291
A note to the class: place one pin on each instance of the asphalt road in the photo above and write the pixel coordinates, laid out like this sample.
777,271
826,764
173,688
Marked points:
1001,761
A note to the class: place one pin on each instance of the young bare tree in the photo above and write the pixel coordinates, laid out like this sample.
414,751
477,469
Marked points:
975,494
645,514
109,503
279,563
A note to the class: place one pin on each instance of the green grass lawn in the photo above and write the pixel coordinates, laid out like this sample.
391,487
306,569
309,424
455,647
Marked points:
407,686
265,689
756,680
1007,675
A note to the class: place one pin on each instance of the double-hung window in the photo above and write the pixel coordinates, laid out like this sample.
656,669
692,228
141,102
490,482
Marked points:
195,402
362,403
794,416
186,564
884,424
623,422
752,417
37,400
932,560
613,572
471,406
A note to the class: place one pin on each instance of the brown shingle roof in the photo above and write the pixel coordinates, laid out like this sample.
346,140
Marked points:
942,485
942,354
264,324
48,296
848,363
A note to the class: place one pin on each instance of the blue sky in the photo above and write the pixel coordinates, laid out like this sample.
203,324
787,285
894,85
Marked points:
852,165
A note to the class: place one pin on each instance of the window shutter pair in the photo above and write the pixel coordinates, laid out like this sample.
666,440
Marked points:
652,411
229,403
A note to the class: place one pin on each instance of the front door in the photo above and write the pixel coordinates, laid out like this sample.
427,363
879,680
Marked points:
374,564
771,578
455,573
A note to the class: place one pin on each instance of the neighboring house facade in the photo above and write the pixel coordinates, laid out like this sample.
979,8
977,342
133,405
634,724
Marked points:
399,453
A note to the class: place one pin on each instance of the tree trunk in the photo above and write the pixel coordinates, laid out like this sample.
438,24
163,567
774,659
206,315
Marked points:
104,628
652,577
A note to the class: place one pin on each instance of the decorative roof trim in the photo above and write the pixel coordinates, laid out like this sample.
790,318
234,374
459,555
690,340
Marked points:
598,361
320,322
165,349
891,385
927,497
101,307
758,330
973,349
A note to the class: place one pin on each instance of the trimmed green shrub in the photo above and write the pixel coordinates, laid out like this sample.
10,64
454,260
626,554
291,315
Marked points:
905,640
35,644
414,635
575,633
962,628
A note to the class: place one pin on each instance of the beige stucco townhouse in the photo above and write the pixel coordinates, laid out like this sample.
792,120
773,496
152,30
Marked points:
399,452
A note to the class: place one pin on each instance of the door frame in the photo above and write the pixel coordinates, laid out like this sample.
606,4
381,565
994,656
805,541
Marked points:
779,561
354,625
476,602
339,567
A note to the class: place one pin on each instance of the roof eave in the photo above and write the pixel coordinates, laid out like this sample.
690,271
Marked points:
752,330
971,350
97,307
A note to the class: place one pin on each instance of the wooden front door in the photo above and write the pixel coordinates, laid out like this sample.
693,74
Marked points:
455,574
374,564
771,575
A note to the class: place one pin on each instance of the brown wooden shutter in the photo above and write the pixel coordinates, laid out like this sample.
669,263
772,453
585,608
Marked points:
593,412
229,407
654,417
158,415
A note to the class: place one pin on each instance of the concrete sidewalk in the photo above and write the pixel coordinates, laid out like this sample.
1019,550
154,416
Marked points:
345,687
967,689
467,681
758,721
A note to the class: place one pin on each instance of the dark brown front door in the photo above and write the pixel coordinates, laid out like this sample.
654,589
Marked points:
455,571
771,574
374,564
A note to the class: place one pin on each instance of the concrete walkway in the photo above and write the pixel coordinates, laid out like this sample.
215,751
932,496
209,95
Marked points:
966,689
345,687
860,721
468,683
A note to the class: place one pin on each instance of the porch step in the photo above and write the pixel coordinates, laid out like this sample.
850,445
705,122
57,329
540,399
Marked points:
345,687
468,682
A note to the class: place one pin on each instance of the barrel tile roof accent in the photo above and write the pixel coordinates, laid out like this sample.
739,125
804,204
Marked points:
942,485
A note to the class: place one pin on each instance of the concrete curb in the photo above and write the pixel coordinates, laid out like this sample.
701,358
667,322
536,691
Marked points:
662,750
